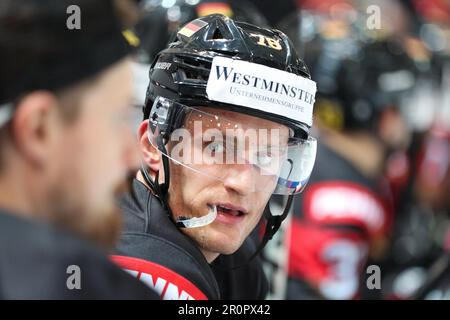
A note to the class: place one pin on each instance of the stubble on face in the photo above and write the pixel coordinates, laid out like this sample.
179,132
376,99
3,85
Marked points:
101,226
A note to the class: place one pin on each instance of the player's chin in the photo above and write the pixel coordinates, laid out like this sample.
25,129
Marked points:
226,249
225,243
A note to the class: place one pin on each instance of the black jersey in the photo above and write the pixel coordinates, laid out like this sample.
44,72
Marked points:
158,253
38,261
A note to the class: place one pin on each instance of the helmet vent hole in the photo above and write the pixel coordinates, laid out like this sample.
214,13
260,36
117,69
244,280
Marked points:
219,32
217,35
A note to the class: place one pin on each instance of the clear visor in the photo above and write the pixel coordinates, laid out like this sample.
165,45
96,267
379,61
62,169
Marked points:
234,149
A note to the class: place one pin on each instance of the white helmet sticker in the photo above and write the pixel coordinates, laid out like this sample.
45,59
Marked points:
263,88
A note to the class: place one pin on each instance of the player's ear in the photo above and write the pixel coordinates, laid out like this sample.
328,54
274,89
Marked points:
150,154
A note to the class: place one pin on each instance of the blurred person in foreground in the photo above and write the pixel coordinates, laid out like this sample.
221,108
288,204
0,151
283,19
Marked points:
65,151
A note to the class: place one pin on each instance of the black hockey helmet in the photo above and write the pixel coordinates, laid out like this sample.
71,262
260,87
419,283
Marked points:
181,72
